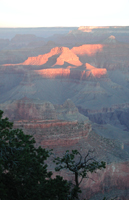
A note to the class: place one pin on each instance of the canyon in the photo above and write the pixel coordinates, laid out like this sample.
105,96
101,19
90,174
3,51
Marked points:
70,91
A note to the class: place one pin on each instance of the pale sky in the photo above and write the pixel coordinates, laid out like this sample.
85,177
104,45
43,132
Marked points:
50,13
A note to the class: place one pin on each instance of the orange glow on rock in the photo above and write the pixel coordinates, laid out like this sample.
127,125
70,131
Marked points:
65,55
71,73
89,49
71,67
53,73
42,59
90,28
68,56
96,72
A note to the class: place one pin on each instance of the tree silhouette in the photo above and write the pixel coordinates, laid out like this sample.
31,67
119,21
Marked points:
79,166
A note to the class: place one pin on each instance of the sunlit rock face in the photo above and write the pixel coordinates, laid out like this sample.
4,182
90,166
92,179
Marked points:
96,72
89,50
71,73
53,73
68,56
65,55
42,59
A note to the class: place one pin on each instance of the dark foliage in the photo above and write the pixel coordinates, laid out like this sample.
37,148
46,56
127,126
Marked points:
23,171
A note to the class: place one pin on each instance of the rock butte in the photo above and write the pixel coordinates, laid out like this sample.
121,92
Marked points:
68,56
65,55
89,49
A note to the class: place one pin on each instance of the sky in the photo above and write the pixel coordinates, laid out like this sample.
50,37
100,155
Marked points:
59,13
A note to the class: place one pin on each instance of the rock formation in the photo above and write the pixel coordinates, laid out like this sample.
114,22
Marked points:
89,50
111,39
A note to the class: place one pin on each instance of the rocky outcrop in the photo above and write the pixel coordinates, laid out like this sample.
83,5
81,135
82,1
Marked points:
34,109
42,59
27,109
51,125
88,49
65,55
68,56
72,74
96,72
55,134
111,39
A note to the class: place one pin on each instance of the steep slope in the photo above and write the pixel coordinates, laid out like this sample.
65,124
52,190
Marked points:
42,59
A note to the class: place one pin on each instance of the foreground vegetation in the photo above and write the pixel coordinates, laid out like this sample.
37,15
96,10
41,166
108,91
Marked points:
24,173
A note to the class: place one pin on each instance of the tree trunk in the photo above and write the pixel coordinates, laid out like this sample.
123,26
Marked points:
76,179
